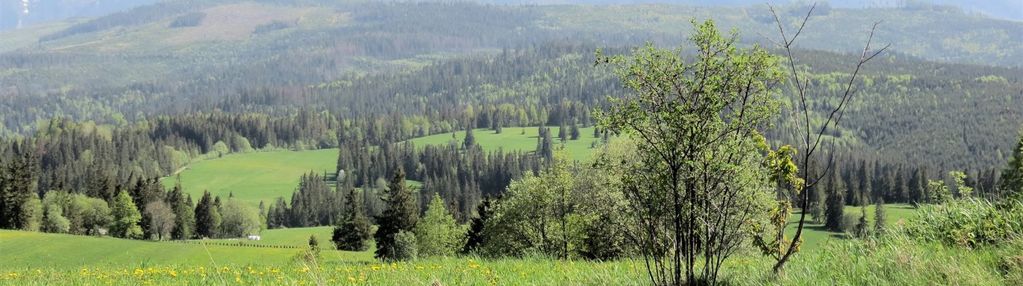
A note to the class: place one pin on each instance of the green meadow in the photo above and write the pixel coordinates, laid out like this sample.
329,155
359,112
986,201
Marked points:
263,176
517,139
814,234
255,176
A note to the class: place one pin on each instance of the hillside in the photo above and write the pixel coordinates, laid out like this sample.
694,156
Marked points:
99,67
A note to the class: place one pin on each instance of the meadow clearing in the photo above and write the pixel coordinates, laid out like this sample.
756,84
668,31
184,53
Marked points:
265,175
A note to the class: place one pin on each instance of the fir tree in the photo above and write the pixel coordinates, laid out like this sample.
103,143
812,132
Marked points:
401,215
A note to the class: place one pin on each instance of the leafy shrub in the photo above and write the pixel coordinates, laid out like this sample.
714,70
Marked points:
969,222
405,246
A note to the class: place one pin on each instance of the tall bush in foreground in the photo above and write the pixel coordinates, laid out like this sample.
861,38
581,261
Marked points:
697,180
437,233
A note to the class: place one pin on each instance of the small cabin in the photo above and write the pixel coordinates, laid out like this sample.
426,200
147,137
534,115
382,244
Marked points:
254,237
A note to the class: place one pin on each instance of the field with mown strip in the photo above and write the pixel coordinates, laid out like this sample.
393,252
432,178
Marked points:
59,251
254,176
516,139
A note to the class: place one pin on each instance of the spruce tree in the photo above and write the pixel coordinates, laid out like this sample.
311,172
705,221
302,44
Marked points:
835,204
355,228
863,227
879,217
401,215
207,217
126,217
469,140
476,238
184,211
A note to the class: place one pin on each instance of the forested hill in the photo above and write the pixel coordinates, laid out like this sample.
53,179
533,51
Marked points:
438,63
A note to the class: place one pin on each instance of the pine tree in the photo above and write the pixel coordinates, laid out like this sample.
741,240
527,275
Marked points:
476,238
469,140
126,217
1011,184
17,187
184,211
437,234
355,229
207,217
835,204
879,217
401,215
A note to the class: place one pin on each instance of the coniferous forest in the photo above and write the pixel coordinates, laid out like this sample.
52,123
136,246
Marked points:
472,143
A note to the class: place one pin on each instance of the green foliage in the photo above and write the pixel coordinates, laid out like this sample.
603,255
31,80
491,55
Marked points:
535,215
126,217
239,219
32,213
55,221
437,233
938,191
696,126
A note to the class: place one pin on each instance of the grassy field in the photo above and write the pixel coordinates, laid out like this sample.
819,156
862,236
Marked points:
516,139
893,261
814,235
255,176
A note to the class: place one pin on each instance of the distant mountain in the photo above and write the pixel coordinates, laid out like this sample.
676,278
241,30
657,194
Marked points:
28,12
1001,9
